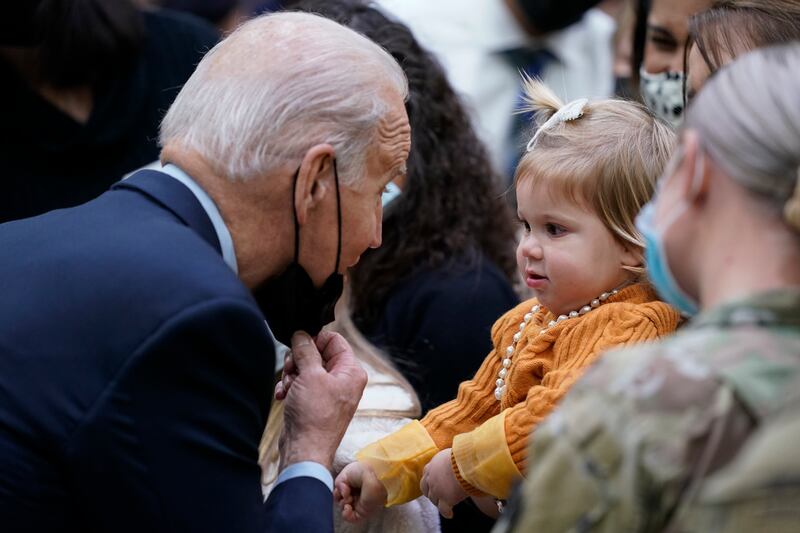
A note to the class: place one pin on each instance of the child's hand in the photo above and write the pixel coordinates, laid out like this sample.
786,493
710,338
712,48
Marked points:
487,505
440,485
358,491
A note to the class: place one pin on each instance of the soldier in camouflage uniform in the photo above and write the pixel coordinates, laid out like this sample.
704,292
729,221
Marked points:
699,432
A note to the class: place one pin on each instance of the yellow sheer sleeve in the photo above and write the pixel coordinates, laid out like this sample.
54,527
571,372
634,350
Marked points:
398,461
484,460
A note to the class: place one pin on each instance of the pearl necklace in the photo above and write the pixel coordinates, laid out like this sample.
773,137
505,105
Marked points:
501,376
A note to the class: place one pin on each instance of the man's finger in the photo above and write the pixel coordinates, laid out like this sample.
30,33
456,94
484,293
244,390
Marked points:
331,344
304,352
288,364
280,391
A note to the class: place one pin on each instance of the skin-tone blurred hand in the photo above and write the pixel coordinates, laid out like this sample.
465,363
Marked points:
487,505
325,390
359,492
440,485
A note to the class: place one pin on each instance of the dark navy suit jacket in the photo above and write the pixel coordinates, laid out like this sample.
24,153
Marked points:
135,375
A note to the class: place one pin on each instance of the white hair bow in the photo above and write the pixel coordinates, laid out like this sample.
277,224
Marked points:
570,111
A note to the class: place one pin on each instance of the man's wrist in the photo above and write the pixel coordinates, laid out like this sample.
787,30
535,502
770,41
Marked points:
293,453
308,469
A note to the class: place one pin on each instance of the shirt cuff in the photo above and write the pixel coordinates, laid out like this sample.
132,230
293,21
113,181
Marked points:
306,469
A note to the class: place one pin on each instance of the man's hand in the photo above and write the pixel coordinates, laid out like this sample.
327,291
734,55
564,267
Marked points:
440,485
358,491
326,386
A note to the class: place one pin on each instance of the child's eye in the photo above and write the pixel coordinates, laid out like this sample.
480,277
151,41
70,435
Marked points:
525,225
554,230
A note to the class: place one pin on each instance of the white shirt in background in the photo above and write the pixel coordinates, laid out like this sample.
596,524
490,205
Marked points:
469,36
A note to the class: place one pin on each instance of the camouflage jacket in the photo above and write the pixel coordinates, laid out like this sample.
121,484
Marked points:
699,432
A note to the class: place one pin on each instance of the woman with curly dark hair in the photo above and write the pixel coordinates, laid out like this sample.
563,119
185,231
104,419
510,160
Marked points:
429,295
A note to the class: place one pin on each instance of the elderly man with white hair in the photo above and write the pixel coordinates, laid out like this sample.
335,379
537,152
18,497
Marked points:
136,364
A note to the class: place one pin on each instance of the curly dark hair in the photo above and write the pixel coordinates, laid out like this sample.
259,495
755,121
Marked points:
451,210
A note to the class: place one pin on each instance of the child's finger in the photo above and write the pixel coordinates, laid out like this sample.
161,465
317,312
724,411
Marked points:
423,483
344,492
347,513
445,510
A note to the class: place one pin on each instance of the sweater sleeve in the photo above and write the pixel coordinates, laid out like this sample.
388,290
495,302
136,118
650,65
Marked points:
475,402
399,459
494,455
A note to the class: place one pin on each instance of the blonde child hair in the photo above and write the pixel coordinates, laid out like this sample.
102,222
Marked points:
607,159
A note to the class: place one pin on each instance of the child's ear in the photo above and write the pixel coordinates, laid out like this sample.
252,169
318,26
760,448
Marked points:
631,256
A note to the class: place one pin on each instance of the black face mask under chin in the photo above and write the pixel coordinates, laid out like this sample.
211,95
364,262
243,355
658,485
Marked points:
290,302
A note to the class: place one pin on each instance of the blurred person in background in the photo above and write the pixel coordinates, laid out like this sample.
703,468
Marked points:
266,6
698,432
484,44
224,14
733,27
88,82
624,39
659,49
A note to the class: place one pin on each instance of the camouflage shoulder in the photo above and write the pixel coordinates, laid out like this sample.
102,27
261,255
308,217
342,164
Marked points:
650,370
759,490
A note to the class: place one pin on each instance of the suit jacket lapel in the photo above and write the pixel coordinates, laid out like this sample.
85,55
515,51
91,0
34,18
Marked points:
175,197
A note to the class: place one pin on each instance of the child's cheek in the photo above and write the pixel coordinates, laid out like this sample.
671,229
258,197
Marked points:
521,263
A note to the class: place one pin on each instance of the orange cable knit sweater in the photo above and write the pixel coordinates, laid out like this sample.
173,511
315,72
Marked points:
543,367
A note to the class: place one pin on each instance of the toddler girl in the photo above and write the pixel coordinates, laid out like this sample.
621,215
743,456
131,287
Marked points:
586,173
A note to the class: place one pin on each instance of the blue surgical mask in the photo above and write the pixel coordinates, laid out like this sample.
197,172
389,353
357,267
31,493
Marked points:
658,269
391,192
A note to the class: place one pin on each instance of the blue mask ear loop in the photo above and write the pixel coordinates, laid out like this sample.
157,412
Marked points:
338,218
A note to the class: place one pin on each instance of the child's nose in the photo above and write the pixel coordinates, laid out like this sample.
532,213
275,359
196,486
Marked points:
531,248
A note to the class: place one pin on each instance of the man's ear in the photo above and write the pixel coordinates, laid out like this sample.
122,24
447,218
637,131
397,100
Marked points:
694,169
313,180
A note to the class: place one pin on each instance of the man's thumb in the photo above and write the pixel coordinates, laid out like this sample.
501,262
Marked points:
304,351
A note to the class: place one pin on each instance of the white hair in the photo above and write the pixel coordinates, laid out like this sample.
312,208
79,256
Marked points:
277,86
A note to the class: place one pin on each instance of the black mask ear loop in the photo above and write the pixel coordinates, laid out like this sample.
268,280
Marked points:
296,223
338,219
